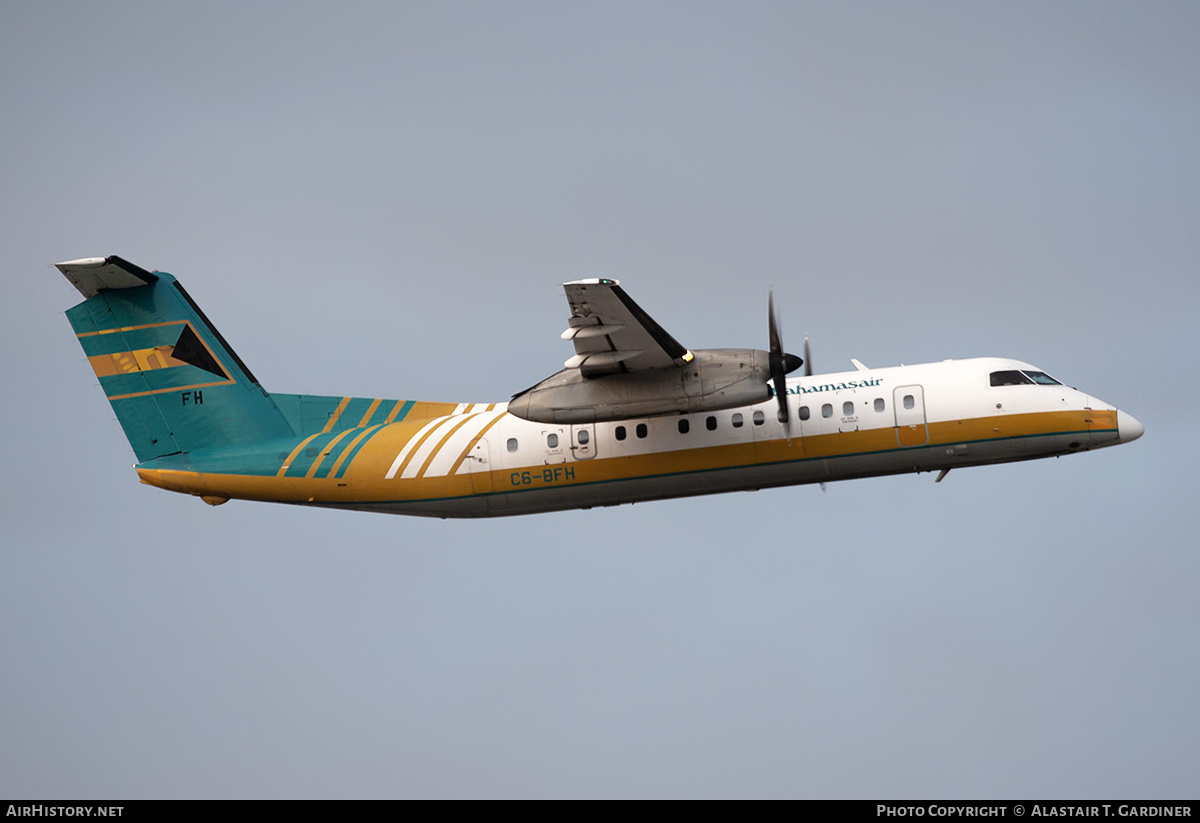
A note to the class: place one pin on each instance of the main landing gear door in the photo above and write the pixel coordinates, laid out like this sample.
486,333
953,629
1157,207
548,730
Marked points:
911,428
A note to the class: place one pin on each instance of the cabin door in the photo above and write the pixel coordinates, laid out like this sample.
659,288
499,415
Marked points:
583,441
911,428
481,467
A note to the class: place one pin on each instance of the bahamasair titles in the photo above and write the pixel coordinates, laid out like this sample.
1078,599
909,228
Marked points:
632,416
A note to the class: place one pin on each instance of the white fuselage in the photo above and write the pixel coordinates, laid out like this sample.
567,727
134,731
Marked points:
854,424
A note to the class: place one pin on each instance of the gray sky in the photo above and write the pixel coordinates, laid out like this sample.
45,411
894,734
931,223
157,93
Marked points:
382,200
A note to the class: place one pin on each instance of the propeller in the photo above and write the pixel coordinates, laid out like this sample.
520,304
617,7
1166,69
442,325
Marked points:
782,363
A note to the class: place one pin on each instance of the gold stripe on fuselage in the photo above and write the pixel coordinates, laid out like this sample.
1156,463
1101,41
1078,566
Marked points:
395,411
432,454
471,444
333,418
413,447
312,470
346,452
370,411
423,410
287,463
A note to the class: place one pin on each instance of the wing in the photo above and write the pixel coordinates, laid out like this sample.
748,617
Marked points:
612,334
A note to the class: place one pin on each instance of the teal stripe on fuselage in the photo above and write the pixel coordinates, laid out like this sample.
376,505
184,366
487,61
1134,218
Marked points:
309,413
311,453
404,410
380,414
266,460
353,413
356,449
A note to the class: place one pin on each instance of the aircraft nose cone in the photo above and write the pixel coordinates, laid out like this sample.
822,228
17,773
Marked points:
1128,428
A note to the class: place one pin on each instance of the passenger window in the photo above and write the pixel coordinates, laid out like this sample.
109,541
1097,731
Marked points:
847,408
684,425
781,415
710,423
641,430
827,410
909,402
804,413
619,432
878,404
512,444
737,420
552,441
582,437
759,417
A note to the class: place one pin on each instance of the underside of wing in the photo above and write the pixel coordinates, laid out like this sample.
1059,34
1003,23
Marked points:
613,335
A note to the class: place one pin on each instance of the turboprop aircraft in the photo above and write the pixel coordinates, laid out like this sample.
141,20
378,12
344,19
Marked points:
633,416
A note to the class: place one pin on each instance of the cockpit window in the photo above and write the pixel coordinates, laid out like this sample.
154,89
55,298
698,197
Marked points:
1009,378
1021,378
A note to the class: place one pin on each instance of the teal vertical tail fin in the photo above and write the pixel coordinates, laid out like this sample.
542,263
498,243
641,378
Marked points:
174,383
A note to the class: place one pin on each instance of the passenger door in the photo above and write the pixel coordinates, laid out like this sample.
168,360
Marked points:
911,428
583,441
481,467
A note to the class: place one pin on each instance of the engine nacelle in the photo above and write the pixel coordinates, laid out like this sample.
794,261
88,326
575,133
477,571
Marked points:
715,379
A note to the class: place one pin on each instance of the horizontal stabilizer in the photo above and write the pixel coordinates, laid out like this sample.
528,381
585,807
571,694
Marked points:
92,274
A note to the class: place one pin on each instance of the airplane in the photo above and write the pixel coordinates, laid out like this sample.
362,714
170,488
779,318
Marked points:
633,416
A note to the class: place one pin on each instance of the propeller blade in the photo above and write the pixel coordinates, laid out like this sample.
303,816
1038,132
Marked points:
772,326
807,358
781,363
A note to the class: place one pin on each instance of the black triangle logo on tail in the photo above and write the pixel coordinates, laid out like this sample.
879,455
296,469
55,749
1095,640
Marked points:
190,350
